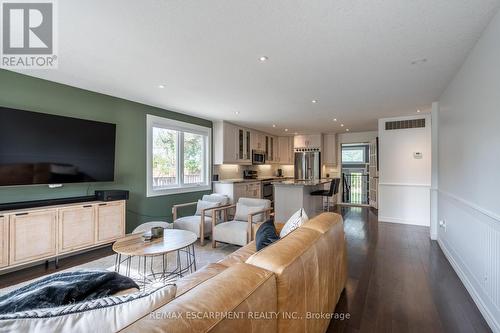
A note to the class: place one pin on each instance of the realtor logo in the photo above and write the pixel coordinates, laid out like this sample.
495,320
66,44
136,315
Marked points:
28,34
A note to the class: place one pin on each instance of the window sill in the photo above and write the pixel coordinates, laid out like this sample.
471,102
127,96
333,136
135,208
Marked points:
177,190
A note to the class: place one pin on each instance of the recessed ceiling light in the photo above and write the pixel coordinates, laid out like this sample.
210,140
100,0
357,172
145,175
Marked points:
274,125
286,129
418,111
419,61
341,125
314,101
334,119
161,86
347,130
237,112
263,58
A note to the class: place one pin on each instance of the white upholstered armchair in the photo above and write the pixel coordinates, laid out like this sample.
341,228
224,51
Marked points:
250,213
201,222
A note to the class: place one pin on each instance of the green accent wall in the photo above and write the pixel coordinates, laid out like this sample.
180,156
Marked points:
33,94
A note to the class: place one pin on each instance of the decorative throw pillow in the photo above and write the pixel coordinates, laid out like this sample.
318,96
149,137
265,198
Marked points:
295,221
242,212
266,235
108,314
204,205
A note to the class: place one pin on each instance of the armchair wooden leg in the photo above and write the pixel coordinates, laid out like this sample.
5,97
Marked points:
202,228
214,243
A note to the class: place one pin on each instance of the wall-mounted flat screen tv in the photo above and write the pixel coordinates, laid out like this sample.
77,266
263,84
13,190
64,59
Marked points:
38,148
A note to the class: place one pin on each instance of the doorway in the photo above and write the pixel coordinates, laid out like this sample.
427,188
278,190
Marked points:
355,173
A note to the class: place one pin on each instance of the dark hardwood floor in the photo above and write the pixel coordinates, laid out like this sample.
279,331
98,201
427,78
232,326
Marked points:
400,281
34,272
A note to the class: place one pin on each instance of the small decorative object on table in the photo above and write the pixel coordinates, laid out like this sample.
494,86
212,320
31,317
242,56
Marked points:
147,236
157,232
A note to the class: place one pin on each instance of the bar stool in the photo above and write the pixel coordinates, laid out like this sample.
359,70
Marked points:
334,189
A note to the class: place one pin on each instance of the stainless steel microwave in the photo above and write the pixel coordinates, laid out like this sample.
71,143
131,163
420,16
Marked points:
258,157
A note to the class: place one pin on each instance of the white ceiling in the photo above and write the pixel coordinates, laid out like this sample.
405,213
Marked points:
353,56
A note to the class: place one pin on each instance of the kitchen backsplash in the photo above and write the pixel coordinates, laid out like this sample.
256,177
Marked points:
233,171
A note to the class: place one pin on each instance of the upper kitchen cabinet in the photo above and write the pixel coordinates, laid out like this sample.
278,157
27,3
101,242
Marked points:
271,145
285,150
329,151
231,144
307,141
244,142
258,141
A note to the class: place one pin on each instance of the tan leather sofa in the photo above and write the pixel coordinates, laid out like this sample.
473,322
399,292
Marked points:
277,289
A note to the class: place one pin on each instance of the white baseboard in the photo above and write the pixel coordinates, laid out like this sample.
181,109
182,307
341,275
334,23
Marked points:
400,221
490,319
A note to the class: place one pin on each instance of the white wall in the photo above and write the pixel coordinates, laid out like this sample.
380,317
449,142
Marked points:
404,181
469,173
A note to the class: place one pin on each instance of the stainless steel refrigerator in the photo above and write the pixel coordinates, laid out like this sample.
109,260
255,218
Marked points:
307,165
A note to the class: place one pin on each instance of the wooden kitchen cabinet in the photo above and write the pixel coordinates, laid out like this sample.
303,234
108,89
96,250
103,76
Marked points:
258,141
243,141
285,150
232,144
234,191
270,145
329,152
247,190
76,228
110,221
307,141
4,241
32,235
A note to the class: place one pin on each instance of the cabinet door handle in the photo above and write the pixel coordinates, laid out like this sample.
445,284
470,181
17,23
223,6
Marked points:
102,204
87,206
21,214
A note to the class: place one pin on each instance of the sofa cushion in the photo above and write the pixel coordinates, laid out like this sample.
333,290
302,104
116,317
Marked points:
192,223
266,235
239,256
247,206
190,281
242,212
232,232
202,204
216,197
296,220
240,289
109,314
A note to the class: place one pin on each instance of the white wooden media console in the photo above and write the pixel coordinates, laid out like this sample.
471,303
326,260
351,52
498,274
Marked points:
36,234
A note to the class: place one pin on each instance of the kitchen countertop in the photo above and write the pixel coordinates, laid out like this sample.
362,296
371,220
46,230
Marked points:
258,179
303,182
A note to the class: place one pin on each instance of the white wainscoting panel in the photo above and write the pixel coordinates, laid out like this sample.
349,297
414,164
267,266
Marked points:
471,242
404,203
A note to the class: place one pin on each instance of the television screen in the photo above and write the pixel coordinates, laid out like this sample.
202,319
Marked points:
38,148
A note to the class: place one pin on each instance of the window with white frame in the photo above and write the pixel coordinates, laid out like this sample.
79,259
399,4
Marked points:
178,156
354,154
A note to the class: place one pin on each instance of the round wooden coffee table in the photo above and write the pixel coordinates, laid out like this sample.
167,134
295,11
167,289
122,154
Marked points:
173,240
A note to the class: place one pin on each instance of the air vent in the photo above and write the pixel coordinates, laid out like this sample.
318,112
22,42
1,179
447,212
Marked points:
404,124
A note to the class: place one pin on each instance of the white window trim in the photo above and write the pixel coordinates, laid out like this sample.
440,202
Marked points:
155,121
356,148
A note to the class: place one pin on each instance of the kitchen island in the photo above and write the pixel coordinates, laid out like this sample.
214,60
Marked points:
291,195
